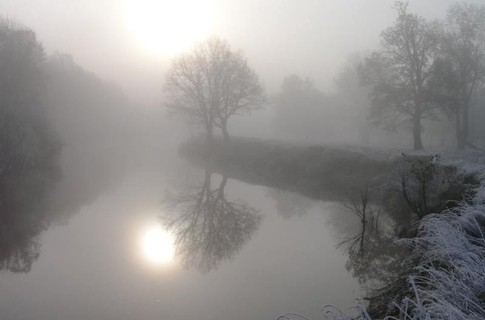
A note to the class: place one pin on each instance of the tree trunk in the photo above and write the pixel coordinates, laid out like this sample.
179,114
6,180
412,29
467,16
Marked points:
362,239
209,133
465,125
418,143
460,142
225,133
209,143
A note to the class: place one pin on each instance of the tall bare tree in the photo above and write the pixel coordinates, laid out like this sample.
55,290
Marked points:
463,69
401,72
212,83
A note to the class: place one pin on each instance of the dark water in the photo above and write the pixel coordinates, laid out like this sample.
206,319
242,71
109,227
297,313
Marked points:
280,257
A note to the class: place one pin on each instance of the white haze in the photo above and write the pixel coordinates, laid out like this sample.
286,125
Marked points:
311,38
105,100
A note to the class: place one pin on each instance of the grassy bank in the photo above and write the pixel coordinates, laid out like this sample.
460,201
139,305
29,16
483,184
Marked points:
324,173
444,275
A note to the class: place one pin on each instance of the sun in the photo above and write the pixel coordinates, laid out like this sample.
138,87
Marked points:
168,27
157,246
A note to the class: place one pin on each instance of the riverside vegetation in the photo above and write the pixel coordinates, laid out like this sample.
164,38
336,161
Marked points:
412,208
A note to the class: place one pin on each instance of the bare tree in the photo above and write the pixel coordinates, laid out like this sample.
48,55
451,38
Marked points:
212,83
464,63
401,72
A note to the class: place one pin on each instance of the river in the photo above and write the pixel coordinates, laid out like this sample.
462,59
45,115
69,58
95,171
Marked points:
281,255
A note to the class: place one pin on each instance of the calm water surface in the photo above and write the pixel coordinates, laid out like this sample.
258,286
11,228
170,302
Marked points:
93,266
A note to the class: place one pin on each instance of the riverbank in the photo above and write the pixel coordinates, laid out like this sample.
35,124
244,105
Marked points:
323,173
446,277
445,272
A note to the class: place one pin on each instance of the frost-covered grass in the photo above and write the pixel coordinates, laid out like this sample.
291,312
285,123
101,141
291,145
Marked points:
447,280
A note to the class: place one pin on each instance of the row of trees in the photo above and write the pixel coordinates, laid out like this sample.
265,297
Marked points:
29,148
425,68
423,71
63,141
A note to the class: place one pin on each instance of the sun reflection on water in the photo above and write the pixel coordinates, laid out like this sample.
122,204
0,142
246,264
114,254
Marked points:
157,246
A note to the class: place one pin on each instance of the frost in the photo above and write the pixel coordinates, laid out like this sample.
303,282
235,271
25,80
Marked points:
449,280
448,277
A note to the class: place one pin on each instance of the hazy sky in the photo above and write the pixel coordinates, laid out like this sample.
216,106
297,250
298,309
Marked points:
131,42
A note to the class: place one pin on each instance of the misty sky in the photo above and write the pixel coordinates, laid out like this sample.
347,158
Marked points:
131,42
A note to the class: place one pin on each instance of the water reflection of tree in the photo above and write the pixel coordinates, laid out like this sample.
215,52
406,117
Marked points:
29,147
18,250
209,228
374,258
25,212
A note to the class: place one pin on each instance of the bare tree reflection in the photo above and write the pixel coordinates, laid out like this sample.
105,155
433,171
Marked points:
373,255
208,228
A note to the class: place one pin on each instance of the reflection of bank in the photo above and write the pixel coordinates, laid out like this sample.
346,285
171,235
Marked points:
25,212
207,227
29,147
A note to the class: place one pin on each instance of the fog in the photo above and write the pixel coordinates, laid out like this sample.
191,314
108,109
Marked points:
309,38
106,132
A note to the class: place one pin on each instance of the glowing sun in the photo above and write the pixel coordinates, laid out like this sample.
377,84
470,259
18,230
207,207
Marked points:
169,26
158,246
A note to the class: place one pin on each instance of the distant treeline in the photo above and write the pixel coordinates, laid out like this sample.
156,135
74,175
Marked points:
63,136
427,78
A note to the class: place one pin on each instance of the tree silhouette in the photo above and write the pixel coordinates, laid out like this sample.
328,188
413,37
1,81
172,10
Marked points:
211,84
401,73
29,148
462,70
208,228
